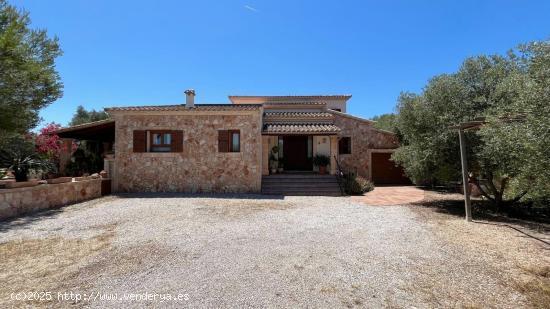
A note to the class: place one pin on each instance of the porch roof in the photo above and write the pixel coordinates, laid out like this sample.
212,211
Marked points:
300,128
102,130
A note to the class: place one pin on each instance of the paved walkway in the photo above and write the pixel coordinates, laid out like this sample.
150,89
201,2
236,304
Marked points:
384,196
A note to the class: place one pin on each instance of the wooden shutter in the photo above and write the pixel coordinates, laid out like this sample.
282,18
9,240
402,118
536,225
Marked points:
223,141
140,141
177,141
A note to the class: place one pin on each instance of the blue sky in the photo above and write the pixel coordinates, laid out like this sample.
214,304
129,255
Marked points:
148,52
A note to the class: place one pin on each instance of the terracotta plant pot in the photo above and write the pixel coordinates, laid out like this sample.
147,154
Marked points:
322,170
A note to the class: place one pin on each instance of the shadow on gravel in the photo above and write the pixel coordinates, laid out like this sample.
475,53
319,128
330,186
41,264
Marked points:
483,213
29,218
201,195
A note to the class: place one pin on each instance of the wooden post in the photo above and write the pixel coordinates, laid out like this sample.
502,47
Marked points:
333,153
465,182
65,155
265,155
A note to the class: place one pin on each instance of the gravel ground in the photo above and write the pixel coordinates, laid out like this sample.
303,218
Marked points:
251,251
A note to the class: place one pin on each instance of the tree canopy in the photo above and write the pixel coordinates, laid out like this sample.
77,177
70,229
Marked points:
386,122
508,160
84,116
28,81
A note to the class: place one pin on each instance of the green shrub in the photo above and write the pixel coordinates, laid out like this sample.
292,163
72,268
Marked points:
83,161
20,156
357,185
321,160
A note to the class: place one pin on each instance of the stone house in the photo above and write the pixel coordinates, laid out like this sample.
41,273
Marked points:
227,147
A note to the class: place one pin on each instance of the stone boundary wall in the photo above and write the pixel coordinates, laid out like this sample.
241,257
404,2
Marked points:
18,201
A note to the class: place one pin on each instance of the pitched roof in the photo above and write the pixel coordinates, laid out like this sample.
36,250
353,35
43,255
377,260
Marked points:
288,103
286,99
300,128
316,115
350,116
86,125
181,107
102,130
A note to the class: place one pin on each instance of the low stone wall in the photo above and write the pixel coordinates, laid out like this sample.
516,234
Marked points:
14,202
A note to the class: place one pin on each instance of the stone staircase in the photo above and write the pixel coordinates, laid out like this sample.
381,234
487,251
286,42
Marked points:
300,184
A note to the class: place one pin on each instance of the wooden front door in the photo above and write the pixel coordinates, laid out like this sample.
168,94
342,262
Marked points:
295,150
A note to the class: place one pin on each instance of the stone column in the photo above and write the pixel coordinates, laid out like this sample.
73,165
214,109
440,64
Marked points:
265,155
333,153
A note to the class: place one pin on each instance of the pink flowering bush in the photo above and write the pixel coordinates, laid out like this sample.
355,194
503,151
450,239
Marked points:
49,144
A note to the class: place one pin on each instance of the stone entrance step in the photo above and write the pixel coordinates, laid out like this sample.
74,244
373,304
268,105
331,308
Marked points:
300,184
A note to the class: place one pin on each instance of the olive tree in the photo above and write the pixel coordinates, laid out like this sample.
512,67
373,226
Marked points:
485,86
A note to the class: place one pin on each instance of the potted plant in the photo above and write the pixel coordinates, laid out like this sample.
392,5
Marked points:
273,163
321,161
281,165
273,159
20,157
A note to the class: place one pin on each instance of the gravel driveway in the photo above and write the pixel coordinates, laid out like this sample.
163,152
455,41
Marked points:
248,251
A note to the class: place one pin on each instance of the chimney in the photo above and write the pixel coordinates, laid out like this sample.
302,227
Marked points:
189,98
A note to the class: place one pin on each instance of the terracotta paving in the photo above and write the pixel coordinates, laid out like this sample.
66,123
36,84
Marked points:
385,196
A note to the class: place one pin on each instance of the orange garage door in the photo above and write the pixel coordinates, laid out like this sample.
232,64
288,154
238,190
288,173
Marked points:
384,171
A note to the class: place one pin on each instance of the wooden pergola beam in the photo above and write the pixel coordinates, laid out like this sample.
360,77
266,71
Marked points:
465,182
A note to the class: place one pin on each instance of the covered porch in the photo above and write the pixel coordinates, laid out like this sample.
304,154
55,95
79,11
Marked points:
99,137
293,146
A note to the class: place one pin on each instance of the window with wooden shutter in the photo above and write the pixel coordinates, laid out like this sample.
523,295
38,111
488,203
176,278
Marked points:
229,141
177,142
140,141
159,141
235,141
223,141
344,145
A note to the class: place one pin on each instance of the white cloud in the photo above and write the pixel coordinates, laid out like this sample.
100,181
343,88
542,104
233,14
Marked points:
250,8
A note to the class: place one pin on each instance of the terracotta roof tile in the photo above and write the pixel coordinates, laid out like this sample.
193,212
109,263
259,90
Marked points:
298,115
181,107
283,97
297,128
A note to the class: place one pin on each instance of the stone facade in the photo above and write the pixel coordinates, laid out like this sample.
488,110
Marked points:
364,140
200,167
14,202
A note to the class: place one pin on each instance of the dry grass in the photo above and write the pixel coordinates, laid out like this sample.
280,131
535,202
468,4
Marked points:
536,286
42,265
235,209
515,257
